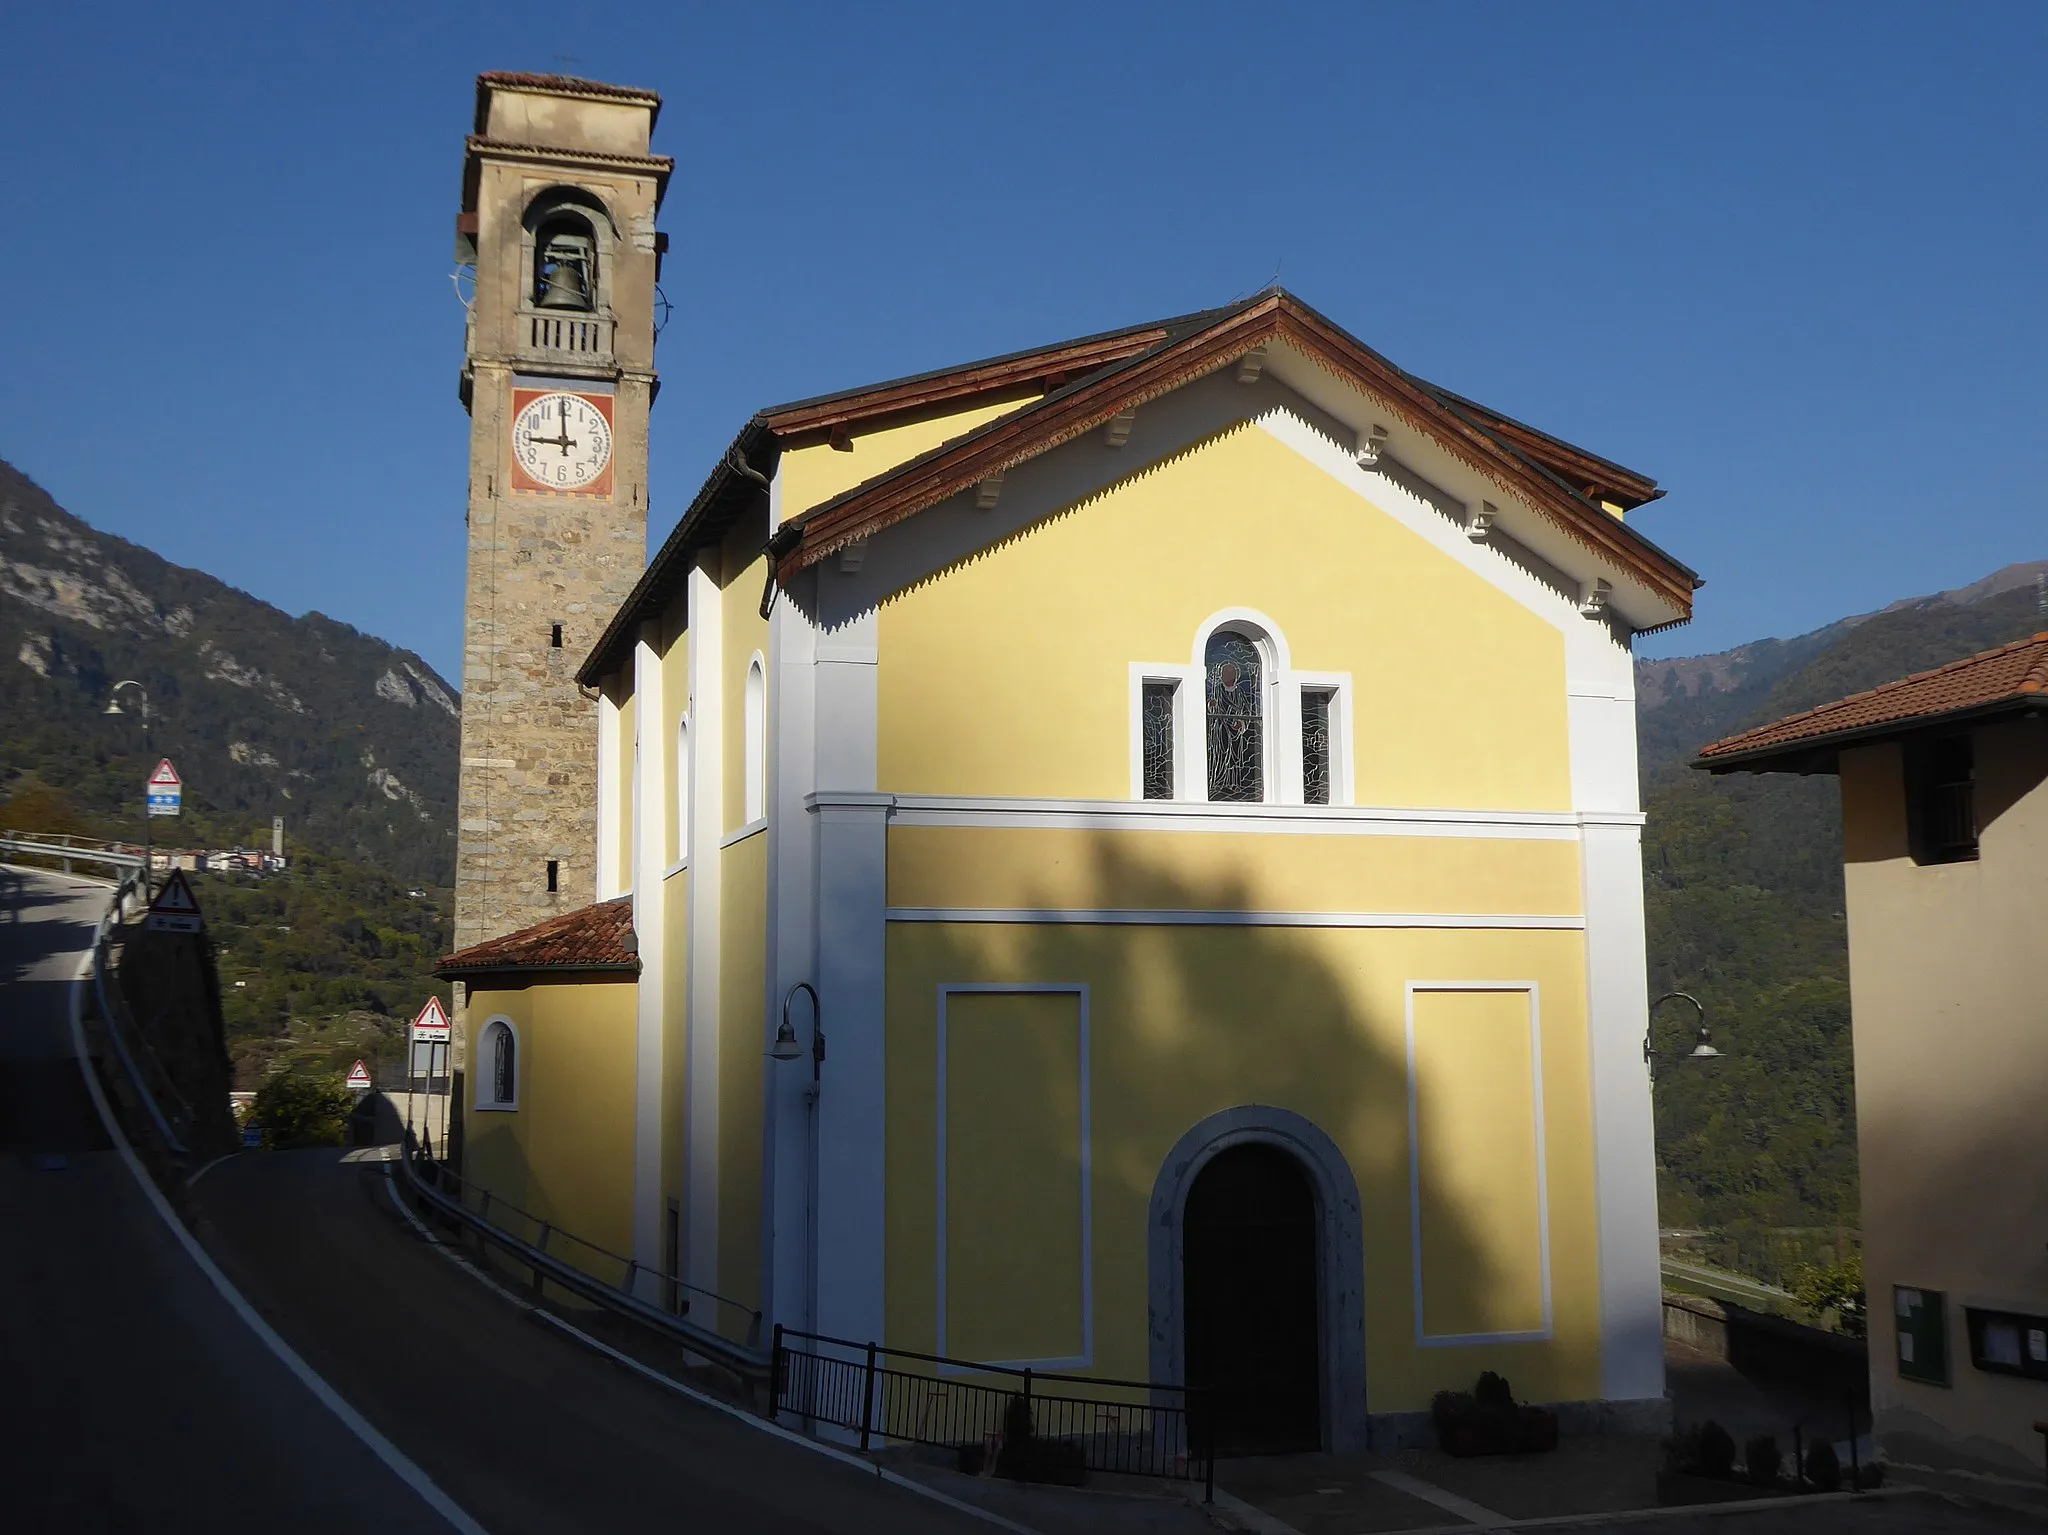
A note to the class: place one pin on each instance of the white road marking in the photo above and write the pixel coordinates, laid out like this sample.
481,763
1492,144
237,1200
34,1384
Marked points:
394,1458
1449,1502
1254,1519
542,1314
210,1166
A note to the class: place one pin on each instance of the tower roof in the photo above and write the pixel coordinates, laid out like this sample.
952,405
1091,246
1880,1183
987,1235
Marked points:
559,85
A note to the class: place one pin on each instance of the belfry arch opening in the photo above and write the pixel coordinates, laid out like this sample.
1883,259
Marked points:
1250,1259
567,239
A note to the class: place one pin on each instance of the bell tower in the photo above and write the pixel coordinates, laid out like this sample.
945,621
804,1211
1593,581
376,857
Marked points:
559,197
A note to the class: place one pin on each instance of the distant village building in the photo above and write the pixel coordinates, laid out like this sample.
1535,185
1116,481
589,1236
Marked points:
1945,845
1190,769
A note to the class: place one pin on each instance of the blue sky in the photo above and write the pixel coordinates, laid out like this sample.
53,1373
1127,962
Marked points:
1787,258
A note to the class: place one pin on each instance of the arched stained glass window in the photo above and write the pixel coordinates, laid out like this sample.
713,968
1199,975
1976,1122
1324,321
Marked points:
1235,705
504,1065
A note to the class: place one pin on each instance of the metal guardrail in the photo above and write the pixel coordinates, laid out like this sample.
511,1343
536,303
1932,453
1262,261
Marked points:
66,848
110,1013
744,1359
1086,1423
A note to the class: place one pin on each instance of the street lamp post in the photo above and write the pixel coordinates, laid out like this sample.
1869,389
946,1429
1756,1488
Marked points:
787,1048
114,707
1703,1048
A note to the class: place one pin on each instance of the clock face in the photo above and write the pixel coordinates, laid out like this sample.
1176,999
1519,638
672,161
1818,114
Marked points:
562,441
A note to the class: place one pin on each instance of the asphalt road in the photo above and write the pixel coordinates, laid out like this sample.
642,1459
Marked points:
132,1396
528,1430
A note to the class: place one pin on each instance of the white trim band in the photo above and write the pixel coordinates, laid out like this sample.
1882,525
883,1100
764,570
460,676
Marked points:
743,833
1139,916
1183,815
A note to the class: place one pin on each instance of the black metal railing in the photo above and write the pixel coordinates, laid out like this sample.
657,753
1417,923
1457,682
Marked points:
1135,1428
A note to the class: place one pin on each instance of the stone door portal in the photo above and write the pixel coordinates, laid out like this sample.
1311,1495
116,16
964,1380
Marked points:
1249,1256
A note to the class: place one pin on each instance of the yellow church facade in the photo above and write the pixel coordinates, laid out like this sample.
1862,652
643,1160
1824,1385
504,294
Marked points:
1186,780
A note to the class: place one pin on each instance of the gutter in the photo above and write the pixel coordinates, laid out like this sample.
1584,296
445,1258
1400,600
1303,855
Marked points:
1752,761
468,974
670,562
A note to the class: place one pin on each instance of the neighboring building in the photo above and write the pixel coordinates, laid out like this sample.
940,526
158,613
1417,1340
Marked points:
1194,769
559,196
1945,846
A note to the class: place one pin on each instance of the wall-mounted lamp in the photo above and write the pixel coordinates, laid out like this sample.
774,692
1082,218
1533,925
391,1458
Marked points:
1703,1047
1370,445
786,1047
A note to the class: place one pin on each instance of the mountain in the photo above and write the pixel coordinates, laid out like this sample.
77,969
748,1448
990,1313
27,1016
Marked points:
351,740
1743,889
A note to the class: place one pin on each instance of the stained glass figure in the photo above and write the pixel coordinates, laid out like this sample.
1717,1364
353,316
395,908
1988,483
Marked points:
504,1075
1237,750
1315,746
1157,726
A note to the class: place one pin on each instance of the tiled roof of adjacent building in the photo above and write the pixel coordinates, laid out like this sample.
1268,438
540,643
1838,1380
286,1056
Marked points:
596,937
2012,677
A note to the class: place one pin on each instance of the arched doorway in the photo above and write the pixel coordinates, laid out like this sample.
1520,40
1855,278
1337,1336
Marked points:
1249,1277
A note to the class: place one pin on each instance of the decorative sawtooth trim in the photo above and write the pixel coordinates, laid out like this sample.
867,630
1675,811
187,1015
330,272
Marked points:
1096,402
1090,417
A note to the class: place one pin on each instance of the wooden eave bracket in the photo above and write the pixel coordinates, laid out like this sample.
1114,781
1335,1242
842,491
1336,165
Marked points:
1118,431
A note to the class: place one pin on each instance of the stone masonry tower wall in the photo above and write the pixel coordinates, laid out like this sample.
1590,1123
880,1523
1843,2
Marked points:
559,197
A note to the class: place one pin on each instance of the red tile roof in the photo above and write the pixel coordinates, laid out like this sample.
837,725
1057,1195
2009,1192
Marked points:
596,937
2012,677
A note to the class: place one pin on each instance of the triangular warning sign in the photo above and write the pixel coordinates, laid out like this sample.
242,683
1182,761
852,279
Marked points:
176,896
359,1075
165,773
432,1022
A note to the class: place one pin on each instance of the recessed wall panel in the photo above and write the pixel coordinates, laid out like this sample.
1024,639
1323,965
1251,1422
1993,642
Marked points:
1012,1169
1477,1166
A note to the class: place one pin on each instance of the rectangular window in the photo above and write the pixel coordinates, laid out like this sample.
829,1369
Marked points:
554,876
1921,1321
555,637
2007,1343
1941,805
1315,745
1158,735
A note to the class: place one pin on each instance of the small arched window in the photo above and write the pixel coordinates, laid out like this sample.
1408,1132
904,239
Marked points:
501,1058
565,263
1235,703
757,740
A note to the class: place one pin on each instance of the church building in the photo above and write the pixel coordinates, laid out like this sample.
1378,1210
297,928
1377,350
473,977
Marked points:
1122,857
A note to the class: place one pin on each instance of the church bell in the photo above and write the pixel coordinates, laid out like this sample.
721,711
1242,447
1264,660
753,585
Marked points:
564,275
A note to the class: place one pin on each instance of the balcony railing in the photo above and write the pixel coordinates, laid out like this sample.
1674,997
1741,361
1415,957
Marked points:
571,335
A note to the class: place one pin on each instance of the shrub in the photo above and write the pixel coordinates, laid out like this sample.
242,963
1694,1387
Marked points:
1487,1420
1716,1450
1682,1448
1836,1287
302,1111
1762,1458
1823,1467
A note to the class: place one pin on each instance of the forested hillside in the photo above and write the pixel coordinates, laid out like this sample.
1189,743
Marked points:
349,739
1743,884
